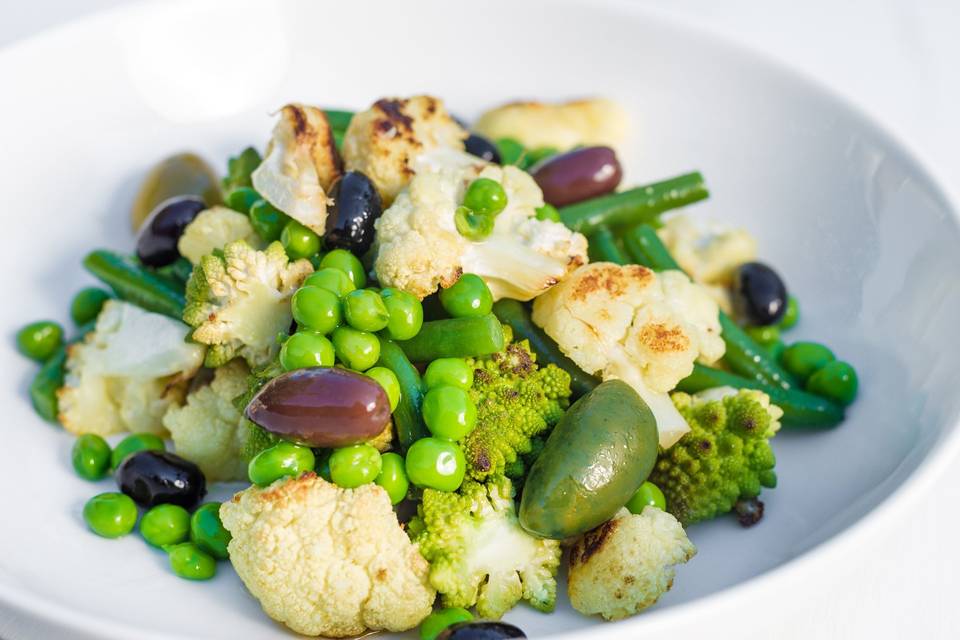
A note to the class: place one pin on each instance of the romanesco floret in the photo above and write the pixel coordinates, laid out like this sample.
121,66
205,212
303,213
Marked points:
478,552
255,438
516,401
238,302
725,456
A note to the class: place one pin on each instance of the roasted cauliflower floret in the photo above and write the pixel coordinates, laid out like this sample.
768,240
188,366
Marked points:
207,431
327,561
625,565
385,140
562,125
644,328
212,229
238,302
127,372
300,166
419,247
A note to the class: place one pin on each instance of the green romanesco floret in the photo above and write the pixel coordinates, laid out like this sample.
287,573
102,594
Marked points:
238,302
516,401
478,552
725,456
256,438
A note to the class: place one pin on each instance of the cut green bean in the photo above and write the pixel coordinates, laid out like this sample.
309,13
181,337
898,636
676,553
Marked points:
513,313
603,247
634,206
800,408
455,338
407,416
339,120
134,283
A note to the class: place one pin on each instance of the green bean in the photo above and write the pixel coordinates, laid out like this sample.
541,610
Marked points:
513,313
239,170
743,354
134,283
455,338
338,120
177,272
603,247
407,416
44,386
800,408
640,204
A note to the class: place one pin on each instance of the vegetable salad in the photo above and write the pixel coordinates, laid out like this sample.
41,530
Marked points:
441,359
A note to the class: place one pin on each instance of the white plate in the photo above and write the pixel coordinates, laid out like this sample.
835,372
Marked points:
863,238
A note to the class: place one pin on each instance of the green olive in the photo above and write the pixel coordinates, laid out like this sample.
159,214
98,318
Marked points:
182,174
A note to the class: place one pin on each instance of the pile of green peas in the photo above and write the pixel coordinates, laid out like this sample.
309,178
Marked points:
193,542
483,201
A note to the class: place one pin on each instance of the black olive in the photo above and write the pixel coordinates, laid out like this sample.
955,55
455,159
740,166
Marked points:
160,477
356,205
480,631
482,148
157,243
759,295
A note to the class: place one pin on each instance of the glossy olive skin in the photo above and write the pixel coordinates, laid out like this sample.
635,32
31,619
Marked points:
323,407
183,174
578,175
157,242
160,477
595,459
356,206
481,631
477,145
759,295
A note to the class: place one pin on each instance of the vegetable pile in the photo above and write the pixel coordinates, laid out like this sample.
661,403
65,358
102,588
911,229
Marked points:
440,360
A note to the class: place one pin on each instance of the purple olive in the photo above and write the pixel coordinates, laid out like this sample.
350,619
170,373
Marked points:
321,407
157,242
578,175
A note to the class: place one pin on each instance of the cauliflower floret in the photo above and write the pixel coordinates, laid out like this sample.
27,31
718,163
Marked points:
625,565
212,229
419,247
127,372
327,561
385,140
630,323
300,166
207,429
239,302
562,125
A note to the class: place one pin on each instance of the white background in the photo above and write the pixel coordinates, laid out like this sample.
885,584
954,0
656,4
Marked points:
899,61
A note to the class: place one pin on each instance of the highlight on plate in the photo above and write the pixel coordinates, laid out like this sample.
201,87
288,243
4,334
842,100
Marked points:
442,359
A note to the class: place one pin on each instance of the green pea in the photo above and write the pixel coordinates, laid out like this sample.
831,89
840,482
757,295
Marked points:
39,340
267,220
110,515
453,372
435,464
388,380
188,561
511,151
299,240
792,314
165,524
323,465
802,359
316,308
406,313
208,532
333,280
835,381
473,226
486,197
393,477
348,263
306,349
364,310
358,350
281,460
437,621
648,494
548,212
469,297
354,465
449,412
86,305
242,199
90,456
765,335
134,443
